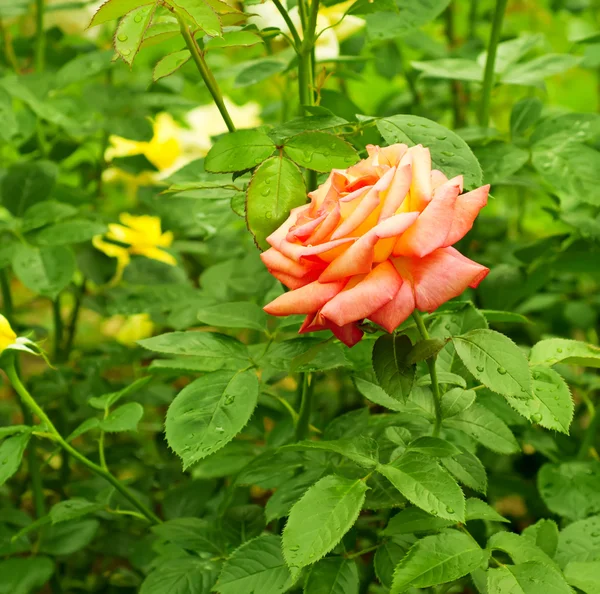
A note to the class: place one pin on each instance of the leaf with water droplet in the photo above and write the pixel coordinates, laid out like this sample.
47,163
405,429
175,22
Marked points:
311,150
131,30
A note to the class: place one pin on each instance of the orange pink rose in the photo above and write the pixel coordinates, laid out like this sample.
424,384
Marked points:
375,242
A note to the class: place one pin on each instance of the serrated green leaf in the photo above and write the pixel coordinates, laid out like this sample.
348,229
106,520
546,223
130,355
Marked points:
480,510
181,575
240,314
519,548
362,450
23,575
276,187
535,71
425,484
72,509
483,425
320,519
468,469
526,578
584,576
504,317
209,413
66,538
69,232
201,14
169,64
413,519
579,541
425,349
394,375
27,184
281,501
320,151
233,39
388,555
113,9
443,377
496,361
11,454
194,534
377,395
123,418
239,151
333,575
43,213
456,401
437,559
131,30
433,446
561,350
544,534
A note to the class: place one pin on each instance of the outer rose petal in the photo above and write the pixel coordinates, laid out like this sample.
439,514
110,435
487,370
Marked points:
349,334
291,282
420,188
466,209
305,300
440,276
432,227
273,259
392,314
370,294
397,192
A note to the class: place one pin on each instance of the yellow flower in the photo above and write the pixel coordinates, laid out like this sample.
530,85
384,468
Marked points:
143,237
7,334
128,330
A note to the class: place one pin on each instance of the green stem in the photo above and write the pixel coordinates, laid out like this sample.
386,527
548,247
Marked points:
7,302
9,50
589,437
207,76
40,36
33,406
58,330
305,408
288,21
435,388
73,320
488,78
37,487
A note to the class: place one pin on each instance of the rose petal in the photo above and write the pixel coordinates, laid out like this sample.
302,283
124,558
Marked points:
466,209
349,334
397,192
327,227
305,300
440,276
370,294
392,314
273,259
279,235
420,188
303,229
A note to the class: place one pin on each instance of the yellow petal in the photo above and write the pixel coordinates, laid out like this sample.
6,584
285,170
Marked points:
148,226
112,251
7,334
135,328
121,147
154,253
165,148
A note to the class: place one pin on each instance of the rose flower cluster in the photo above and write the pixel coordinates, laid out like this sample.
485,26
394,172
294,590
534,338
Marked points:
375,242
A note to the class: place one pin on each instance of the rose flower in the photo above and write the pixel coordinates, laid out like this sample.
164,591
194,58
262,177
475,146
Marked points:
375,242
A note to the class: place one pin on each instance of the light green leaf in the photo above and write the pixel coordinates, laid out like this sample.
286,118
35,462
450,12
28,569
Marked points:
181,575
44,213
535,71
525,114
362,450
468,469
388,555
579,541
68,232
425,484
571,489
84,427
437,559
561,350
480,510
27,184
320,519
433,446
519,548
551,406
233,39
496,361
169,64
113,9
209,413
124,418
507,317
281,501
24,575
11,454
333,575
377,395
394,375
241,314
72,509
584,576
201,14
131,30
82,67
456,401
10,124
449,152
320,151
107,400
544,534
413,519
257,566
500,160
239,151
582,127
483,425
13,430
259,70
450,68
276,187
526,578
46,271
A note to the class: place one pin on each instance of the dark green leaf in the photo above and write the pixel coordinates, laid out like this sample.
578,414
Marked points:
238,151
320,151
394,375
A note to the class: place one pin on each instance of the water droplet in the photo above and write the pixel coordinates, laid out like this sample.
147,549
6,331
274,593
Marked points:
559,350
229,399
137,18
480,368
219,430
536,375
501,371
266,191
122,37
295,548
449,510
126,52
441,137
536,418
595,534
410,124
448,153
268,215
206,449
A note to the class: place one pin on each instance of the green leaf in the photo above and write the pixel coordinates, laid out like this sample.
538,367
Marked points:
333,575
239,151
181,575
450,68
14,429
45,213
131,30
449,152
66,538
10,124
496,361
194,534
26,184
46,271
84,427
571,489
72,509
24,575
82,67
320,519
544,534
286,495
525,114
433,446
257,566
170,63
113,9
456,401
437,559
425,484
484,426
320,151
124,418
584,576
201,14
276,187
519,548
377,395
582,126
217,348
551,406
468,469
507,317
526,578
444,377
240,314
233,39
394,375
425,349
105,401
561,350
413,519
68,232
209,413
579,541
362,450
480,510
535,71
500,160
11,454
259,70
